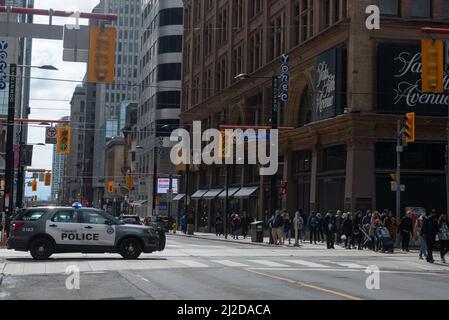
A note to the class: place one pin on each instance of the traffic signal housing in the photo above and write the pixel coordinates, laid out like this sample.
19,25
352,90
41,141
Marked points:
34,185
101,68
111,186
410,127
129,182
47,179
63,140
432,66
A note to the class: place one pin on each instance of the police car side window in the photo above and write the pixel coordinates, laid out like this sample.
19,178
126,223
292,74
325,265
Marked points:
94,217
66,216
31,215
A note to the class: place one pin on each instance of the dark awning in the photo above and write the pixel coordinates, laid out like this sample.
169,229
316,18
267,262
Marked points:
231,192
179,197
199,194
246,192
212,194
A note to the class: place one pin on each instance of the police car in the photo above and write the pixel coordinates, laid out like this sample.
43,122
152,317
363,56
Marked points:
46,230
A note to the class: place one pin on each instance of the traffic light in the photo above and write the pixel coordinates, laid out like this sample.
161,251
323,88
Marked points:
432,66
226,143
101,67
34,185
63,140
410,127
47,179
393,177
129,182
111,186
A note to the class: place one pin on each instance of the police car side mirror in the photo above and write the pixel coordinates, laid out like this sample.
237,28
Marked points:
107,222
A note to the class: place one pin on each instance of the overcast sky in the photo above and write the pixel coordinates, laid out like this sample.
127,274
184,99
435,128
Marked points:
51,99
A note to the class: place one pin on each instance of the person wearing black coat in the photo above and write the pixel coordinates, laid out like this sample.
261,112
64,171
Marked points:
348,227
429,231
356,233
405,229
329,223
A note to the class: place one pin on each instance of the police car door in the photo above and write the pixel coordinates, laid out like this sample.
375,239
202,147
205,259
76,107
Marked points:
64,226
95,230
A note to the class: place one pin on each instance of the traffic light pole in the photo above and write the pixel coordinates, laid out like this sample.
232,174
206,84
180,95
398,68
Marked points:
399,149
274,126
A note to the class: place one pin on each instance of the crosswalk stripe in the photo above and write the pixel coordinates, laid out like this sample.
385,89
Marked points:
268,263
349,265
192,263
229,263
307,263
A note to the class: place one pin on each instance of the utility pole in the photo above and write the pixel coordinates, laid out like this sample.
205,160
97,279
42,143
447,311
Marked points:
9,167
170,194
399,149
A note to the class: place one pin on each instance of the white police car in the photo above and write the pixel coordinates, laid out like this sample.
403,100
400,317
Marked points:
46,230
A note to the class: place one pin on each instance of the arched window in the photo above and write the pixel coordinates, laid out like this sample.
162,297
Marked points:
305,108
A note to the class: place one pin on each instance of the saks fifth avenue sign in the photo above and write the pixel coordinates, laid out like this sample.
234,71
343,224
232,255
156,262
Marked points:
399,82
325,88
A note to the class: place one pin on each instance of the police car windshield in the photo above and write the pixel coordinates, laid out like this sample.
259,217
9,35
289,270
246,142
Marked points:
112,218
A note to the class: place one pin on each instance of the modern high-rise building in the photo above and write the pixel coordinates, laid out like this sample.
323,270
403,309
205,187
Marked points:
57,170
160,94
109,97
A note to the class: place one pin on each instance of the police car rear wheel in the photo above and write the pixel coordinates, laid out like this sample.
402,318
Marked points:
130,248
41,249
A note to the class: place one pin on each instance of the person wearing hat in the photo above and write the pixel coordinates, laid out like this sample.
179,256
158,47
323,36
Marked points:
419,238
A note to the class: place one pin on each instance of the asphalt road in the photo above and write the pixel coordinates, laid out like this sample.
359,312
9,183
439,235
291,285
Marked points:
212,270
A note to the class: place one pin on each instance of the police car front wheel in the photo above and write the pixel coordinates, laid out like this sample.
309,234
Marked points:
41,249
130,248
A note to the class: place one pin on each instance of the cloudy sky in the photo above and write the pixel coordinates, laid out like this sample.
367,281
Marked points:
51,99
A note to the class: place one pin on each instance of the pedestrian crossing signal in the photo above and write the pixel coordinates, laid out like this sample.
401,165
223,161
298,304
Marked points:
101,68
129,182
63,140
111,186
410,127
34,185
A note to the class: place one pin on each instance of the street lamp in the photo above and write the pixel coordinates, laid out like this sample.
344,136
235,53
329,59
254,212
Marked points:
274,125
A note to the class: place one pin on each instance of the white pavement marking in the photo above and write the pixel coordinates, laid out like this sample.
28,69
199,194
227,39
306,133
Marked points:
349,270
229,263
307,263
268,263
349,265
192,263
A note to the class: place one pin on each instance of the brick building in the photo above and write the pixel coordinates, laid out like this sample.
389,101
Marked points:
348,87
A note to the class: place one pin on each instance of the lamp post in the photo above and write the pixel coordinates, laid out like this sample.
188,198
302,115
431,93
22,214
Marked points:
274,126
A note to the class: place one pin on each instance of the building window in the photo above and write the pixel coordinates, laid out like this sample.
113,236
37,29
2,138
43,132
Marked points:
208,38
237,60
222,74
171,16
334,158
237,19
168,99
207,91
170,44
306,19
255,51
222,26
389,7
277,36
421,8
296,25
445,8
169,72
256,7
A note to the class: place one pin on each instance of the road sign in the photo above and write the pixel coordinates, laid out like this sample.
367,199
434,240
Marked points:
394,186
51,134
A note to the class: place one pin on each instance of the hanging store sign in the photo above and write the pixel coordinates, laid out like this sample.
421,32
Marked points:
399,82
285,77
3,64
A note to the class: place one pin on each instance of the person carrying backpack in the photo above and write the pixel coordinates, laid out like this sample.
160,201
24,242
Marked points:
278,226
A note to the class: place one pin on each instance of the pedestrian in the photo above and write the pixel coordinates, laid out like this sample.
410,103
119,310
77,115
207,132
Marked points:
245,224
391,224
304,217
330,228
313,224
405,229
298,223
236,225
287,232
183,223
357,233
277,230
219,225
419,238
429,231
320,228
443,236
348,229
375,223
338,226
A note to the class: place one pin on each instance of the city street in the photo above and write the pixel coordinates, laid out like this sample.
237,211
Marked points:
192,268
